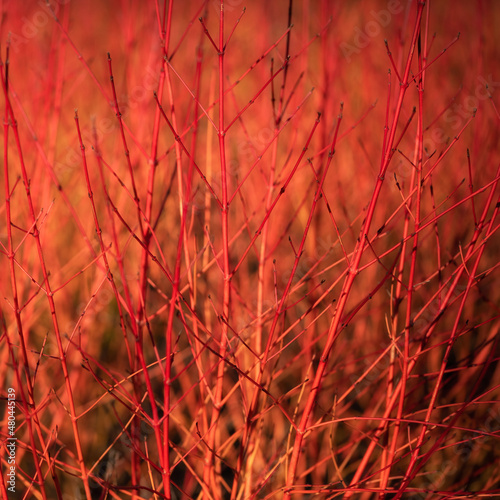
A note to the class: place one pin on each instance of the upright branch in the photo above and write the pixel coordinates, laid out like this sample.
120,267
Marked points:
50,296
209,473
28,403
336,327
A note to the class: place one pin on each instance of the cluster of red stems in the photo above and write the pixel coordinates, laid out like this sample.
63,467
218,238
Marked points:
261,258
